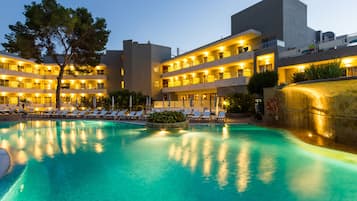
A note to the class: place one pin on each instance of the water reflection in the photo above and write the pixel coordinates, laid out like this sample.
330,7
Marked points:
223,160
39,139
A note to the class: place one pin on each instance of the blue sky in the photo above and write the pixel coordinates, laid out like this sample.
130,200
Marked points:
184,24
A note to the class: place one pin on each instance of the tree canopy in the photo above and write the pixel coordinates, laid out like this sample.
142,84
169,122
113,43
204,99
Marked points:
262,80
68,36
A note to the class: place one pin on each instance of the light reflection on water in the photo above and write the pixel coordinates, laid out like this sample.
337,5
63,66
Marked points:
213,159
39,139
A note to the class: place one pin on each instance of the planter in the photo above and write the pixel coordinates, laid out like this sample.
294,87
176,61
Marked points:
168,125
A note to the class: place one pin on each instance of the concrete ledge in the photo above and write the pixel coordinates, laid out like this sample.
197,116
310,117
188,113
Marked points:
167,125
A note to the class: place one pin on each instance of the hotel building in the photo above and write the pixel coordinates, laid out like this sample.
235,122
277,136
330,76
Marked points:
278,40
271,35
26,82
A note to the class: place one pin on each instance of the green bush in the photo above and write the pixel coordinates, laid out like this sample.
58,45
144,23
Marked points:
324,71
240,103
167,117
262,80
299,77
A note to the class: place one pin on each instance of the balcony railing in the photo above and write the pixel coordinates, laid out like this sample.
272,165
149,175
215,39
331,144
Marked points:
240,81
218,62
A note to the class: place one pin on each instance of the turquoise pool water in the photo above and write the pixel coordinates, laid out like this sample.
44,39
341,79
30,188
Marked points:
94,160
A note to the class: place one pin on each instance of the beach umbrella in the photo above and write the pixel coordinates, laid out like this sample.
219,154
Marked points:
130,102
169,104
183,102
94,102
113,102
191,101
163,101
216,103
76,103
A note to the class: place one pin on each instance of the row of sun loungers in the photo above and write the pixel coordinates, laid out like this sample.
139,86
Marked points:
125,115
104,114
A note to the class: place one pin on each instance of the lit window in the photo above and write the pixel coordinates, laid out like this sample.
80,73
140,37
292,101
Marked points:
122,84
122,72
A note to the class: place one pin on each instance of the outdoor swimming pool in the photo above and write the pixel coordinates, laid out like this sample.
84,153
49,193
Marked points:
98,160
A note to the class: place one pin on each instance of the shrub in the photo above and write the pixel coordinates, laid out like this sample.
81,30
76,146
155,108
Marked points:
240,103
299,77
167,117
262,80
324,71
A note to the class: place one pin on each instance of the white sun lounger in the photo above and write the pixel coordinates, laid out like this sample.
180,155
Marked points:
221,116
206,115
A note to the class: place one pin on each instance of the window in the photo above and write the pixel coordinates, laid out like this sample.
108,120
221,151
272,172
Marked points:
83,85
122,84
242,49
20,68
4,100
122,72
240,73
37,100
220,55
4,65
48,100
37,85
100,85
165,83
220,75
267,67
157,84
205,59
4,83
65,86
100,72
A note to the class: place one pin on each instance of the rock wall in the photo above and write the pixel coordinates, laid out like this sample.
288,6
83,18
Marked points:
326,108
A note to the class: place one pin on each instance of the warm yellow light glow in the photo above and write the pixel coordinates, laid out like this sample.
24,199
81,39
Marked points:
20,63
98,148
241,42
205,53
100,81
206,72
3,60
83,81
221,48
20,94
301,68
243,174
37,94
37,81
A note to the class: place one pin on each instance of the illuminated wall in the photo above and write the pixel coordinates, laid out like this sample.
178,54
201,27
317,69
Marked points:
326,108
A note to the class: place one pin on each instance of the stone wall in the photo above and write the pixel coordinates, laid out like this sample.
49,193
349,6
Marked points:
325,108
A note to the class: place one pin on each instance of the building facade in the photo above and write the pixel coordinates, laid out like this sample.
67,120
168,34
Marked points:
271,35
24,82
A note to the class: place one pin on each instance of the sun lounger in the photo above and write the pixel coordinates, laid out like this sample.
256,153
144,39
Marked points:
93,114
206,115
221,116
121,114
111,115
82,114
131,115
138,115
73,114
102,113
196,115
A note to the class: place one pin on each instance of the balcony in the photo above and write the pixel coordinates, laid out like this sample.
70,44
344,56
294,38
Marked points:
7,72
51,91
219,62
240,81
